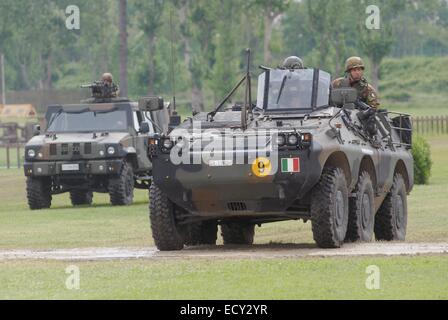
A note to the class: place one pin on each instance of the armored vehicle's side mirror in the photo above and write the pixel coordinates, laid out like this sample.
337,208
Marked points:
174,120
144,127
150,103
36,130
343,96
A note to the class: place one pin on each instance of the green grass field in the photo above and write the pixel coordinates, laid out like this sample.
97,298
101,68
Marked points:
101,225
422,277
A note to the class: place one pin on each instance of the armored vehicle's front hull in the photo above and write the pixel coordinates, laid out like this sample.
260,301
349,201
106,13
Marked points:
239,189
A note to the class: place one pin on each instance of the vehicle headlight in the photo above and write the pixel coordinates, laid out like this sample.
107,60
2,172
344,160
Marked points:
111,151
180,143
167,144
31,153
281,140
307,138
293,139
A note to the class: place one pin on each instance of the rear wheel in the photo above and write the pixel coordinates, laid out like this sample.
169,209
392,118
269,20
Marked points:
361,211
329,209
200,233
238,233
121,188
392,217
166,232
38,191
81,197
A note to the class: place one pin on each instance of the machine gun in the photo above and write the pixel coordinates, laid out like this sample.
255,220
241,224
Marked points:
370,122
102,90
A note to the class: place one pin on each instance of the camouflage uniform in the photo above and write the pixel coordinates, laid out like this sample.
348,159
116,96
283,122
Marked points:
366,92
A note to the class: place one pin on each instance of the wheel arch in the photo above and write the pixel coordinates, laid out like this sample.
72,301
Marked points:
368,166
339,159
131,158
400,167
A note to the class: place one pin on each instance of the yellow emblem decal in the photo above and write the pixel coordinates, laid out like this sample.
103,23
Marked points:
261,167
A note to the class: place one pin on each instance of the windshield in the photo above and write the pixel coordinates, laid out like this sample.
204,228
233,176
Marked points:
87,121
293,89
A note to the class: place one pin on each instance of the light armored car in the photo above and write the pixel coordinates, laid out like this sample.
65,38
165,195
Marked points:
320,155
100,145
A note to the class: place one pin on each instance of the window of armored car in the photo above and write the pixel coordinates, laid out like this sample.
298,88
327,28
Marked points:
142,116
87,118
292,90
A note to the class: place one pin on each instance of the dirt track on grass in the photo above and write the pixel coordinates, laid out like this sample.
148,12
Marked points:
261,251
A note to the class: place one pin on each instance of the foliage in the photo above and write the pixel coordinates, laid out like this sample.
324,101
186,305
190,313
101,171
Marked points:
421,152
209,40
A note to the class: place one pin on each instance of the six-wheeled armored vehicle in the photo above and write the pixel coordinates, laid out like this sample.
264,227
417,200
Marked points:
99,145
302,151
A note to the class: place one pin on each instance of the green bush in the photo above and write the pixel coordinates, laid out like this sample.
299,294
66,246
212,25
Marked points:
422,160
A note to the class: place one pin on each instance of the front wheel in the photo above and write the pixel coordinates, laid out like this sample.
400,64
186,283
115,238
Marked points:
38,191
166,232
329,209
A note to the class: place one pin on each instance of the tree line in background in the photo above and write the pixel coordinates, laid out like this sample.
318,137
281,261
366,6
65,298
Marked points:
139,41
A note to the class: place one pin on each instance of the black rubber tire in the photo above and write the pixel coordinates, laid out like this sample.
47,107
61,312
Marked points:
81,197
38,191
361,216
392,217
329,209
165,232
121,188
238,233
201,233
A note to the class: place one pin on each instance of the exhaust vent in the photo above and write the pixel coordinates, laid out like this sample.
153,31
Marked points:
236,206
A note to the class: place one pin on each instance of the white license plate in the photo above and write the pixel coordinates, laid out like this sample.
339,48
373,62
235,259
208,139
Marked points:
220,163
70,167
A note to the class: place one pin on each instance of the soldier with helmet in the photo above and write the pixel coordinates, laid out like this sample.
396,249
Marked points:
354,70
292,62
108,81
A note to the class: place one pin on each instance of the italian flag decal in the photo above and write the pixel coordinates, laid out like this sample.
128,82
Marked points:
290,165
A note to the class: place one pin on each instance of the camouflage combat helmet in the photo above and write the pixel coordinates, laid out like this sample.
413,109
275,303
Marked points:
292,62
353,62
107,77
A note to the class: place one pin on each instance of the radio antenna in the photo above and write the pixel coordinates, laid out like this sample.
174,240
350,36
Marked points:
173,83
